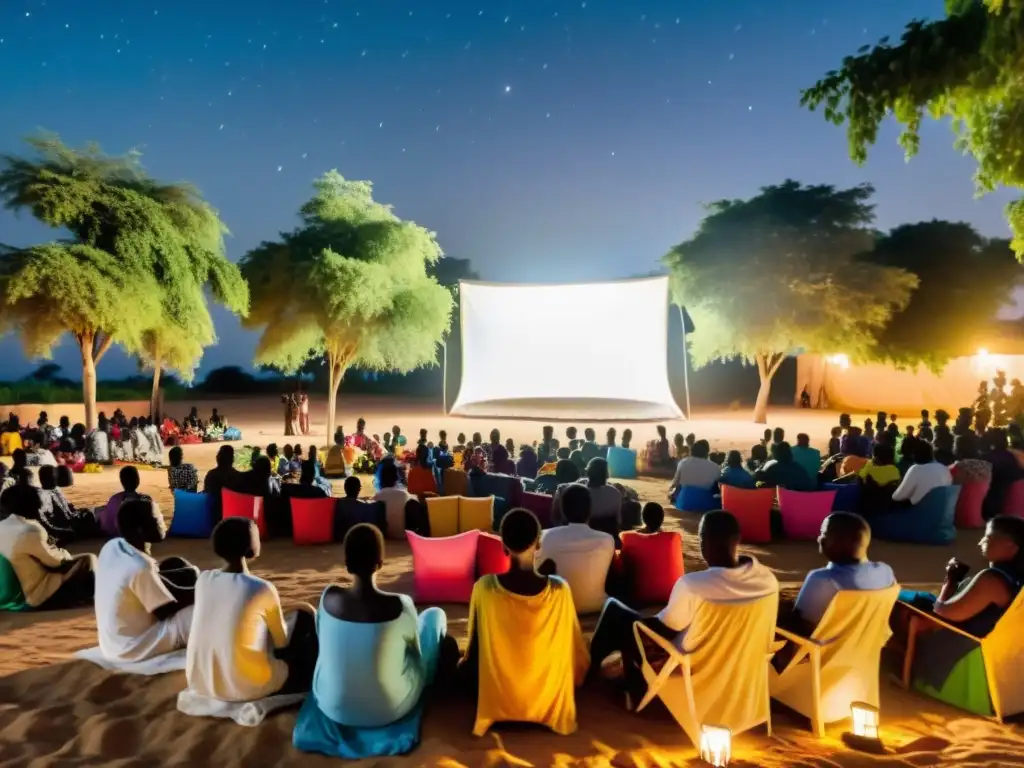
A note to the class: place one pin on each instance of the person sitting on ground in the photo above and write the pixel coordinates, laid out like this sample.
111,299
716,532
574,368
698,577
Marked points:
580,554
295,465
758,458
352,510
566,474
653,517
844,541
181,476
38,455
784,472
627,438
284,463
926,475
695,471
729,577
222,476
130,481
50,578
421,478
394,497
527,465
526,650
143,607
1005,472
662,454
679,447
605,500
306,487
906,451
377,654
242,646
834,441
609,442
97,443
151,433
260,480
807,457
62,521
19,469
335,464
734,474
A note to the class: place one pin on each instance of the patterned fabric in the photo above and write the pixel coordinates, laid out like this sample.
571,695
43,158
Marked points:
184,477
971,471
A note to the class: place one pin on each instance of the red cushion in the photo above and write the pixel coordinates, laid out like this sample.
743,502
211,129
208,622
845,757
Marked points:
243,505
421,480
652,563
490,555
443,569
313,521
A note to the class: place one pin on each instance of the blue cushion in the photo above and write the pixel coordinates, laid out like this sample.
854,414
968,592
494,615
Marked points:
193,515
315,732
847,496
232,433
693,499
491,484
501,508
929,522
622,463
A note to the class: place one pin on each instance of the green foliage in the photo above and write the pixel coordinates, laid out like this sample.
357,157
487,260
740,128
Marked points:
965,67
778,273
350,283
963,281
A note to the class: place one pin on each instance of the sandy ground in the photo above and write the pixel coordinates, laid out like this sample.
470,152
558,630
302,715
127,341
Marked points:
54,711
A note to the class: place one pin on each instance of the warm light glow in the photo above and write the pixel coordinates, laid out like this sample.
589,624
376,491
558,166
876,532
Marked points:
842,361
865,720
506,358
715,745
982,352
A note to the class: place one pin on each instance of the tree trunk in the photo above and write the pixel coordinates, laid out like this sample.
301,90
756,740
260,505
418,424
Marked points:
154,398
88,382
767,366
761,404
335,373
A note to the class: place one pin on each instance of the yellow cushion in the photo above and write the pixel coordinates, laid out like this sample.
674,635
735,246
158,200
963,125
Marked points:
443,514
476,514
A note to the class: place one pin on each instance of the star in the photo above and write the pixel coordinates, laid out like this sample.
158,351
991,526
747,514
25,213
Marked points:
508,88
280,168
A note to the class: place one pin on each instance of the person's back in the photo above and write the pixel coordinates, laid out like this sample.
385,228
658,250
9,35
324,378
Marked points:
224,475
581,554
697,470
130,481
923,476
394,497
734,474
525,639
807,457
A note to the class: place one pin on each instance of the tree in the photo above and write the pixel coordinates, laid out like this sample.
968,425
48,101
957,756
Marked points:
351,284
778,273
965,67
964,279
155,246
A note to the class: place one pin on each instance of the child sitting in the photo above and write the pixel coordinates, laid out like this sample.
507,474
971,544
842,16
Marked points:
242,646
526,650
130,480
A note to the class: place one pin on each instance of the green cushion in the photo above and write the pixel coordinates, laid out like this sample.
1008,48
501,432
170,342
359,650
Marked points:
11,596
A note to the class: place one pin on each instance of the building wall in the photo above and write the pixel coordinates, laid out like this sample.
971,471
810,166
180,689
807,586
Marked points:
873,387
27,413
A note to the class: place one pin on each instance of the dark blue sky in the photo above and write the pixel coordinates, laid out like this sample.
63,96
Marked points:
542,139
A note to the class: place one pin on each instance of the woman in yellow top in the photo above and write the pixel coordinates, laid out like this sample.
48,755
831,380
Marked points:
526,647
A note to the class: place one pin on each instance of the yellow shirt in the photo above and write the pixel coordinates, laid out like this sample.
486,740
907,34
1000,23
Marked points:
883,474
531,654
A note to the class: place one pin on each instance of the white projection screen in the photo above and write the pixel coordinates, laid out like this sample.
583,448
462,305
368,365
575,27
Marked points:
596,351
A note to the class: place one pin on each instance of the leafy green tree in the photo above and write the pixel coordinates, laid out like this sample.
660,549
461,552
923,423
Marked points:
966,67
777,274
156,245
964,279
350,283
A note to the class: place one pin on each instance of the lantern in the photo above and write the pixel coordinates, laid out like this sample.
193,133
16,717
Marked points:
715,745
865,729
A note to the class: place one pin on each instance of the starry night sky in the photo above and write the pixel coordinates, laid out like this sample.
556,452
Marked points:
545,140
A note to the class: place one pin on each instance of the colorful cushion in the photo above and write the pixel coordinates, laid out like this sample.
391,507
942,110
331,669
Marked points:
969,503
489,484
312,521
1014,504
443,514
622,463
693,499
540,505
803,512
455,482
443,569
193,515
12,598
475,514
931,521
752,507
847,496
491,556
243,505
421,481
315,732
652,563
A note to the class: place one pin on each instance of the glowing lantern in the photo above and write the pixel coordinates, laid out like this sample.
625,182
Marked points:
840,361
715,745
865,720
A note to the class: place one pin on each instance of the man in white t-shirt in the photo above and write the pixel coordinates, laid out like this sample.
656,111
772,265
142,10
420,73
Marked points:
729,577
143,608
394,497
923,476
240,647
695,470
578,553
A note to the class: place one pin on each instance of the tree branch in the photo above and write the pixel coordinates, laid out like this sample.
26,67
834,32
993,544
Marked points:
101,349
761,370
773,369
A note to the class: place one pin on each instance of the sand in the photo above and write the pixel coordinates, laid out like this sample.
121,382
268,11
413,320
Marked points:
54,711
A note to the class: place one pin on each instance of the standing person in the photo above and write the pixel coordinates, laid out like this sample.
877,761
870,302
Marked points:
303,412
289,415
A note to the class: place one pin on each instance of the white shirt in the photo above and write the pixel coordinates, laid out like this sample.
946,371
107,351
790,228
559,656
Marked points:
394,509
748,581
26,546
45,457
236,625
920,479
696,472
583,557
605,502
128,589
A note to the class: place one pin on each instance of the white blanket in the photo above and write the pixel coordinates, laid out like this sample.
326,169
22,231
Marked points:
247,713
158,665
